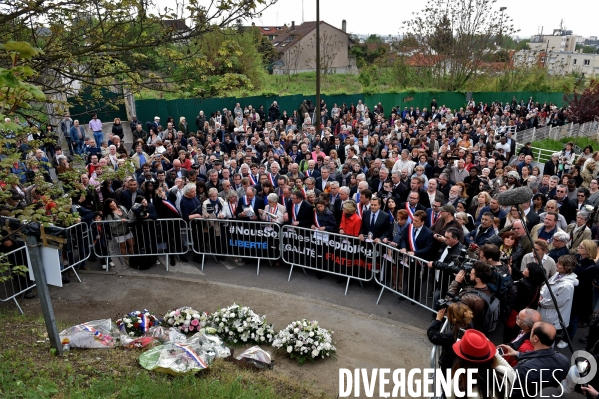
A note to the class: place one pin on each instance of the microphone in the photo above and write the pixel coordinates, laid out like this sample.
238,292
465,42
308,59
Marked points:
515,196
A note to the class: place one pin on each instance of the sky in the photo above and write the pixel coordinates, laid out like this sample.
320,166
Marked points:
365,17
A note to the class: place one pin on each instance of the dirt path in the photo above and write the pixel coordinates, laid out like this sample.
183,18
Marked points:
362,340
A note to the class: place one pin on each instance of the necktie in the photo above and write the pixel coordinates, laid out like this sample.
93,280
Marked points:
415,233
372,219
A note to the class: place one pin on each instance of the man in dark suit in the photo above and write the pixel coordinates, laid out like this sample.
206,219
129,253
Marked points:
301,213
324,177
375,221
412,205
248,206
377,183
531,216
416,187
420,247
312,171
416,240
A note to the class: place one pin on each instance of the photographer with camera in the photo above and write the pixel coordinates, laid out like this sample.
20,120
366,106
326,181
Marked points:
472,288
504,287
460,317
451,257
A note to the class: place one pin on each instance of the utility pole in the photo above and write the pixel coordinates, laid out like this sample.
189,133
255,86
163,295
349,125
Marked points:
35,257
317,105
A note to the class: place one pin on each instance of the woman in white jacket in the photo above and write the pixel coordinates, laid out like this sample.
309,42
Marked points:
562,284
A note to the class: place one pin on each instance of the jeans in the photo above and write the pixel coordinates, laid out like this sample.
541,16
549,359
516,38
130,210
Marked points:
99,137
78,147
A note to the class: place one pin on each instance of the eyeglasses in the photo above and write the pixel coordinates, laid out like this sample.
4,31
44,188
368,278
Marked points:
580,195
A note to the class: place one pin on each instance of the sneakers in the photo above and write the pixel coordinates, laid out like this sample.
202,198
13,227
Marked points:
562,344
111,263
104,267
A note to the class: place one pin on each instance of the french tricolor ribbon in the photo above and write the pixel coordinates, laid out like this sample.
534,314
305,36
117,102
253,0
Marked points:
170,206
254,182
316,219
246,200
308,173
272,180
411,238
410,213
294,212
145,323
359,210
232,208
273,210
192,354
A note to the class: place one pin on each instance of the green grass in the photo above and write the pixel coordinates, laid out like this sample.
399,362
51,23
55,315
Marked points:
558,145
28,370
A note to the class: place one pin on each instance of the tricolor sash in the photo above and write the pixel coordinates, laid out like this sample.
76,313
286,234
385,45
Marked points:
254,182
294,212
359,210
232,208
316,219
273,210
412,238
272,180
433,218
410,213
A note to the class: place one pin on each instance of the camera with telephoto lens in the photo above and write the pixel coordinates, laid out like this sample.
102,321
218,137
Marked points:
139,210
460,262
443,303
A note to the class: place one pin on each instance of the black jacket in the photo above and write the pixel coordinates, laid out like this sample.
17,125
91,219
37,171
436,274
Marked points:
382,226
554,366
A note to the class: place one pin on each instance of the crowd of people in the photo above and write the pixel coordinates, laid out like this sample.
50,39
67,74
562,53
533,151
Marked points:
422,180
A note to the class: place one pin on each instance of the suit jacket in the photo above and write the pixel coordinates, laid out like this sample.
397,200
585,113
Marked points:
532,219
315,174
575,240
446,273
305,216
183,172
382,226
319,181
482,238
424,243
374,185
424,200
418,207
257,205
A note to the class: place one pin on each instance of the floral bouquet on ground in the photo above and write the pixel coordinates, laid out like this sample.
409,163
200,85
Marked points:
137,323
305,340
185,319
236,325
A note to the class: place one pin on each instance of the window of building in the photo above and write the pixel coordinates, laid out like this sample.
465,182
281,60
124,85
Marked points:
574,61
587,62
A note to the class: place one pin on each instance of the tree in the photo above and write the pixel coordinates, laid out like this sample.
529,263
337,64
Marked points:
583,107
103,43
457,38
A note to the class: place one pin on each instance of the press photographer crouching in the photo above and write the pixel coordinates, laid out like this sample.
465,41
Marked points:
473,289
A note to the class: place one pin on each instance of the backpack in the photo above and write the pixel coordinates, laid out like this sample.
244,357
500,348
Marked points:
505,290
491,312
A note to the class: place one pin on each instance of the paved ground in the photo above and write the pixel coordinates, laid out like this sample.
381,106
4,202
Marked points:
391,334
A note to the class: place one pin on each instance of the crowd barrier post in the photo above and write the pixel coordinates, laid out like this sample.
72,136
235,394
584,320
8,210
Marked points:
232,238
435,353
78,246
13,283
408,276
325,252
148,238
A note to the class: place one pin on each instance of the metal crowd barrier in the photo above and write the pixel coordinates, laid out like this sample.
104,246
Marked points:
325,252
78,246
13,283
236,239
409,277
149,239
